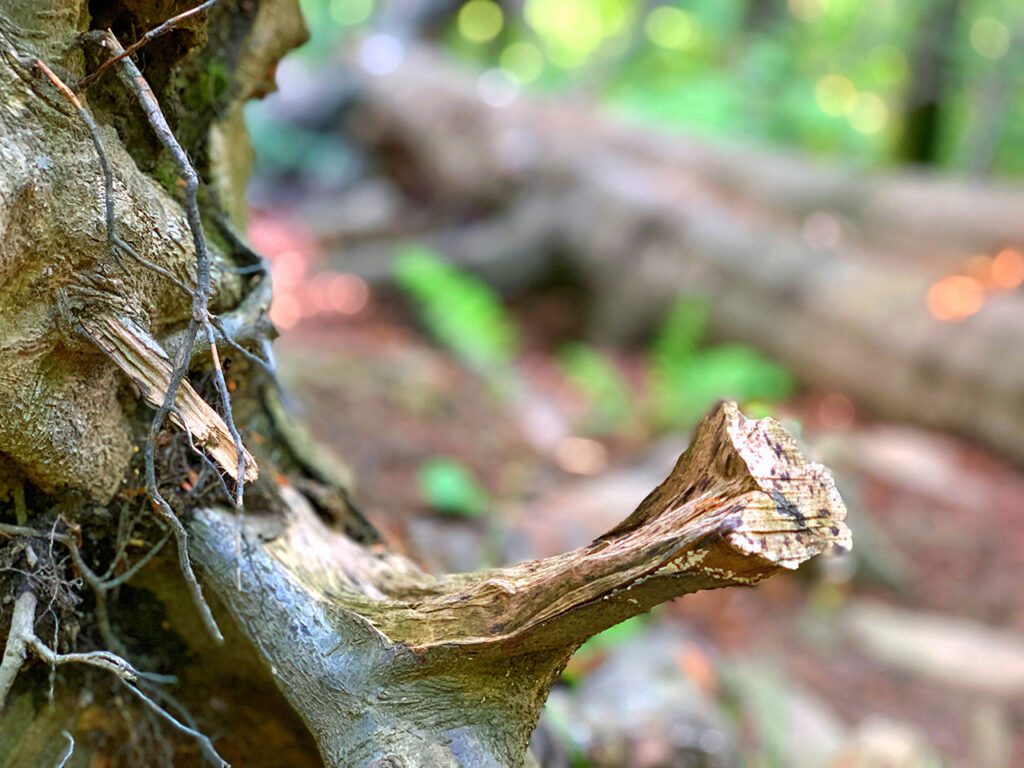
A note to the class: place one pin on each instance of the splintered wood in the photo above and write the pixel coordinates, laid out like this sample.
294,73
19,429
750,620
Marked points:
739,505
144,361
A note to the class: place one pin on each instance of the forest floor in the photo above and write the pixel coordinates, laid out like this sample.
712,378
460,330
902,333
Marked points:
910,654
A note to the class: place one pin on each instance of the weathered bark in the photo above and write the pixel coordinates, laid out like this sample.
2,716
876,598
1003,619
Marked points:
384,664
646,216
391,666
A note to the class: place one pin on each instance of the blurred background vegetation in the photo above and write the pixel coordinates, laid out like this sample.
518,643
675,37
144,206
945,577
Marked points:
521,247
872,82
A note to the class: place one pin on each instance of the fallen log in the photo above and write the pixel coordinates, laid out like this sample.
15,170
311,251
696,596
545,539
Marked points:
645,217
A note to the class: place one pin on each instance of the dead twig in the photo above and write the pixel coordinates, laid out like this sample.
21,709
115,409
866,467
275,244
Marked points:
16,651
21,530
201,321
102,587
68,752
205,745
94,133
152,34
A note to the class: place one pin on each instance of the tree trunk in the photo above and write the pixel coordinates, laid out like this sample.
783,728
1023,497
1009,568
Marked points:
931,70
305,642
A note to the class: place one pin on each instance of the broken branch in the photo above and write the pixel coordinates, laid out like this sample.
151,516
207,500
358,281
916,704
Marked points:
740,505
144,361
152,34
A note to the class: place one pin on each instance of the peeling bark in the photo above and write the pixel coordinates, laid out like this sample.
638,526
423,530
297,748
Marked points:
144,361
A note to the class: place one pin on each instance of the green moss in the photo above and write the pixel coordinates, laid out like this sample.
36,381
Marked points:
208,90
166,172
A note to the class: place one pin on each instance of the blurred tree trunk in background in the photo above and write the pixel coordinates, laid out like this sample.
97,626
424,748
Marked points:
931,71
825,269
989,104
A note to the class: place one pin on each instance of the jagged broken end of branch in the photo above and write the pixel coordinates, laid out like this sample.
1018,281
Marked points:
740,504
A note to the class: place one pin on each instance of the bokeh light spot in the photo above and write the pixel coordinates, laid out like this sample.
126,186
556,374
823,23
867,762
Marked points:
571,30
480,21
289,268
381,54
807,11
581,455
836,94
349,13
523,62
673,28
346,294
955,297
870,114
1007,270
990,37
285,311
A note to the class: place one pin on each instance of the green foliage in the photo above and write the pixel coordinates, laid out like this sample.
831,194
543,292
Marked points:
614,637
687,381
682,331
460,310
466,316
447,486
829,76
600,381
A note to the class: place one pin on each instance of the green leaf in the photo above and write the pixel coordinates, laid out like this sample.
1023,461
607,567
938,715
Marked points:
682,332
687,381
449,487
460,310
600,381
